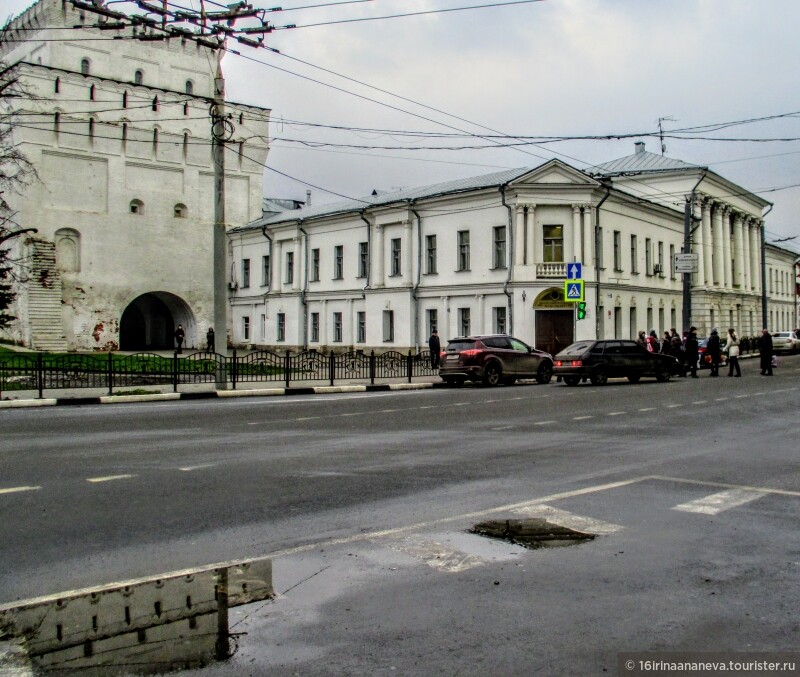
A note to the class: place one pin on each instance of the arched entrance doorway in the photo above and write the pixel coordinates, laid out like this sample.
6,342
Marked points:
555,321
149,321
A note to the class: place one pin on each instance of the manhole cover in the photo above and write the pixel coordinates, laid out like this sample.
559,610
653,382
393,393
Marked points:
534,532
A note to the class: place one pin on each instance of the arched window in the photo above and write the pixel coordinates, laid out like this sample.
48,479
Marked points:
138,77
185,145
85,66
180,211
189,87
57,86
68,250
137,207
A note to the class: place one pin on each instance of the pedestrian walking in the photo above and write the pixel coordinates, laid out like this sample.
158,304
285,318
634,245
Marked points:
732,348
766,351
179,336
653,344
641,339
210,340
691,351
666,344
435,347
714,350
676,350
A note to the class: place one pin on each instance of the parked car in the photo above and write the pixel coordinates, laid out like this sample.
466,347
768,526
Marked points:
493,359
704,361
785,342
601,360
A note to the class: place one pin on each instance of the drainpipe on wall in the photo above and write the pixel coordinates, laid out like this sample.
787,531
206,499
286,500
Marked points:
271,262
764,268
510,260
606,183
419,274
369,253
304,293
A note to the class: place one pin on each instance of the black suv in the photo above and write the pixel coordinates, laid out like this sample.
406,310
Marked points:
493,360
601,360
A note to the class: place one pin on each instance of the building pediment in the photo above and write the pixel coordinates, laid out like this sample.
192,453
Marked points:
555,172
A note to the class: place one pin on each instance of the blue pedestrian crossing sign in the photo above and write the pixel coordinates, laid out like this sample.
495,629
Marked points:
574,271
573,291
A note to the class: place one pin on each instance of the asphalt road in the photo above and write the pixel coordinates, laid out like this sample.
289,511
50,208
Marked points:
364,502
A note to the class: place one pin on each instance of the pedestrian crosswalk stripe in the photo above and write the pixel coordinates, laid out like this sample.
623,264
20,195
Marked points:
567,519
437,555
719,502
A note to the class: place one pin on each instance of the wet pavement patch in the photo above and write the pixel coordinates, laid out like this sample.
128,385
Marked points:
533,533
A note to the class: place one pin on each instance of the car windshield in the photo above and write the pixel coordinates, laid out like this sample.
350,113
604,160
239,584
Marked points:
459,345
782,334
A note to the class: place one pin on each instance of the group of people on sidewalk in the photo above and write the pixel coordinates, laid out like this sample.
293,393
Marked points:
686,350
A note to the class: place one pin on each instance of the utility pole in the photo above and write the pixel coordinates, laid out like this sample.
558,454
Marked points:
687,277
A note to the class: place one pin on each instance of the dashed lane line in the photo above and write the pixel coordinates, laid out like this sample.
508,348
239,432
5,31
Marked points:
190,468
674,406
721,501
648,409
16,490
544,422
108,478
616,413
581,418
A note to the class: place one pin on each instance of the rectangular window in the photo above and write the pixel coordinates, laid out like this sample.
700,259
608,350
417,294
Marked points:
338,262
661,259
246,328
553,245
463,321
289,268
314,265
433,320
388,326
337,327
314,327
617,251
265,271
463,250
672,261
430,254
648,256
361,329
263,327
634,254
245,273
500,320
281,327
600,255
500,247
363,259
397,244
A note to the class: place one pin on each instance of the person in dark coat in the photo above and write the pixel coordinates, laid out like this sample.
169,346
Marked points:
666,344
676,350
210,340
690,350
179,336
435,347
714,350
765,348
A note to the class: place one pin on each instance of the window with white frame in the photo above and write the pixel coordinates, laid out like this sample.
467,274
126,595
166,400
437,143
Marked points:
672,261
337,327
660,259
617,251
634,254
363,259
338,262
464,321
430,254
265,271
245,273
263,327
246,328
388,326
500,325
396,253
433,320
289,278
463,250
281,335
553,243
315,327
499,247
648,256
361,327
314,277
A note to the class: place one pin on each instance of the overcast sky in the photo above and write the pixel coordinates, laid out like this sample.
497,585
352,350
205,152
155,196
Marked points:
554,67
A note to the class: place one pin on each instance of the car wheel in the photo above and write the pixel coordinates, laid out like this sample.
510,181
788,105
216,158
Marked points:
599,378
493,375
663,375
509,380
571,380
545,373
634,378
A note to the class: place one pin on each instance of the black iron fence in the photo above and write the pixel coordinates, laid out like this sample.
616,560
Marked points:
40,372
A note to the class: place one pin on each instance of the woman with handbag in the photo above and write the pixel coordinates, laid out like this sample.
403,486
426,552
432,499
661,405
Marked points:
732,348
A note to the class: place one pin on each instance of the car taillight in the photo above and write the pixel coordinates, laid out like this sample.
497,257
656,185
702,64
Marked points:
443,353
558,363
576,363
472,352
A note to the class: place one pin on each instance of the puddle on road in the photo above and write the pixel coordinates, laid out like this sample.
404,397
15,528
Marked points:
533,532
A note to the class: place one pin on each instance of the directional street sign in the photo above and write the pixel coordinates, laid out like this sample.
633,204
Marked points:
573,291
574,271
686,263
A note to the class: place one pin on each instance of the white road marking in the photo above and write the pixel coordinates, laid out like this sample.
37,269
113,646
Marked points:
503,427
108,478
617,413
719,502
544,422
648,409
189,468
14,490
436,555
700,402
673,406
737,397
720,399
581,418
308,418
569,520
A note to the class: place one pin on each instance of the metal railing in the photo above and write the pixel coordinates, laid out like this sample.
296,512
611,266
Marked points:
40,372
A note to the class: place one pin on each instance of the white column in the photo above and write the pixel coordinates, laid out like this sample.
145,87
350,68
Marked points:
576,253
716,222
519,235
298,263
277,267
324,339
737,251
708,243
482,324
726,247
745,254
588,237
407,253
755,257
533,251
378,259
699,244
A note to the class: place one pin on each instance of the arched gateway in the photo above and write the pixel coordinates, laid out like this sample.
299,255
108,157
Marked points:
149,321
555,321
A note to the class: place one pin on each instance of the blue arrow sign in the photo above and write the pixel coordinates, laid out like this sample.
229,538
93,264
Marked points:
574,271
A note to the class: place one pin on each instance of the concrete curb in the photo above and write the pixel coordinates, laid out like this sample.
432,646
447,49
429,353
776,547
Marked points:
213,394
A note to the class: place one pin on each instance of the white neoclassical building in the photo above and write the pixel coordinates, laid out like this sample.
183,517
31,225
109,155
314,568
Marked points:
491,254
119,133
